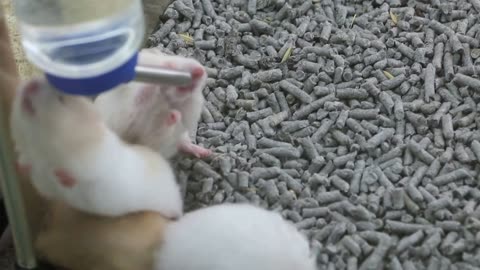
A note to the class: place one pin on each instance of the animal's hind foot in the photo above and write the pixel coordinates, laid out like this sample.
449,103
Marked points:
195,150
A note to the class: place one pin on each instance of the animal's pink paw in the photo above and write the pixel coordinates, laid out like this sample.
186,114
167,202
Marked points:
195,150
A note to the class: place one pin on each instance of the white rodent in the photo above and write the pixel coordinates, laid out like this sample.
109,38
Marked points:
223,237
233,237
74,157
145,113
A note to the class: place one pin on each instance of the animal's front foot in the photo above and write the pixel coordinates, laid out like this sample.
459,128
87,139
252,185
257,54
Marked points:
195,150
196,70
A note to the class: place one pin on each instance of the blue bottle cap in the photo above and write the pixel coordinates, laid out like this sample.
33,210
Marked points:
91,86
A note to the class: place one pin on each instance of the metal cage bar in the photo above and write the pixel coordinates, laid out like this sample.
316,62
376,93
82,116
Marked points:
13,200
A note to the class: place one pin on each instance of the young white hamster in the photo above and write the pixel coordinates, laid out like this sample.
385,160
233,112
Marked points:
76,158
137,111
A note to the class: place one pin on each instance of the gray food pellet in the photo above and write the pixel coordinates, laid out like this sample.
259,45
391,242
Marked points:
271,191
309,148
242,180
364,114
410,240
207,185
380,137
269,75
257,115
398,198
329,197
163,31
205,169
351,93
451,177
315,212
401,227
352,246
374,260
295,91
264,173
315,105
291,126
340,184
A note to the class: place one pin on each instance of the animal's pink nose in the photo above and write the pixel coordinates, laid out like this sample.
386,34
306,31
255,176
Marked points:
28,92
197,72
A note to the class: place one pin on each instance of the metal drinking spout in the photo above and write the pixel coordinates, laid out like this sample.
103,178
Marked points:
159,75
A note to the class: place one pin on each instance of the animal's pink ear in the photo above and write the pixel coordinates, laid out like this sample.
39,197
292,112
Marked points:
173,117
65,179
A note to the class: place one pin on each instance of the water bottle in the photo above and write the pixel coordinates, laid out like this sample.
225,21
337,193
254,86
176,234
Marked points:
84,47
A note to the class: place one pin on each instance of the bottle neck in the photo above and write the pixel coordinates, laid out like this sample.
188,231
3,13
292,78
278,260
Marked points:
92,86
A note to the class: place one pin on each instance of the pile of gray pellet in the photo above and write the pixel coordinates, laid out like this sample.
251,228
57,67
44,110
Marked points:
357,120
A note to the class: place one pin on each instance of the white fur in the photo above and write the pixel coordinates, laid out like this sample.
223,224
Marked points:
233,237
112,177
110,103
121,180
143,124
190,105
